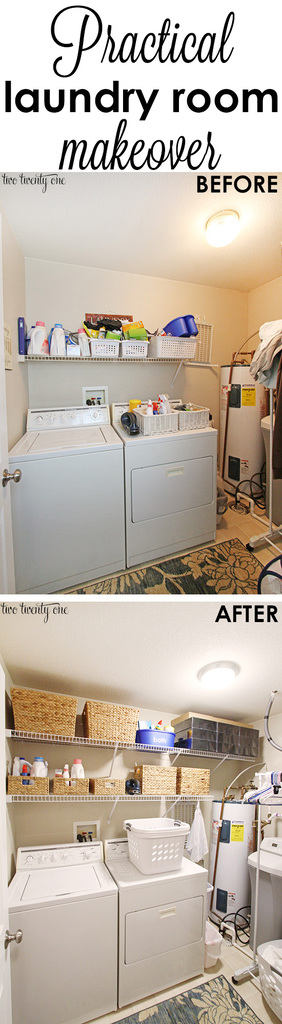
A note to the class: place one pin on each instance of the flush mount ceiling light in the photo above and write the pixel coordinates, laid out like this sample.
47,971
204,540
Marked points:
222,228
219,673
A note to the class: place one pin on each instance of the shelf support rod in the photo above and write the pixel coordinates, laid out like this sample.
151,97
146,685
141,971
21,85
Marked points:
113,759
175,758
113,809
168,809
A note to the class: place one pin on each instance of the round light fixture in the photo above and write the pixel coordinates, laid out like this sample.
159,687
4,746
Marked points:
222,228
219,673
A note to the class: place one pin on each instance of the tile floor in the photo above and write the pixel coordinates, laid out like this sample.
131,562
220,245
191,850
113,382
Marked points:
233,958
235,524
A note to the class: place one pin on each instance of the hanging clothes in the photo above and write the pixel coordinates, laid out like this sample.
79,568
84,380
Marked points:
277,432
264,365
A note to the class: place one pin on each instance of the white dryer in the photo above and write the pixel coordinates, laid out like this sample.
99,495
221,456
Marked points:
170,490
162,921
64,970
68,508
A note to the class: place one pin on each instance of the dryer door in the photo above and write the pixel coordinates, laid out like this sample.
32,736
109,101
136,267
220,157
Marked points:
162,929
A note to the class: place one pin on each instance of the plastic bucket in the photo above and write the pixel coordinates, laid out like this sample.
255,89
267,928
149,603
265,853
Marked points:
182,326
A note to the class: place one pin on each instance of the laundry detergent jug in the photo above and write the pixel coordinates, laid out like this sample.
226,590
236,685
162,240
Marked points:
57,341
38,343
83,342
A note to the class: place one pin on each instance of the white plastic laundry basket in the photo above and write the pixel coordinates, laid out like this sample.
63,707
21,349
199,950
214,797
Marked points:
270,967
156,844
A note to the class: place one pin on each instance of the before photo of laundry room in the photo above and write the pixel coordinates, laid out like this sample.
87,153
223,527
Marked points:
141,840
140,405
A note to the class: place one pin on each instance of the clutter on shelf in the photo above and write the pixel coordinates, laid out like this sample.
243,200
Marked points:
117,335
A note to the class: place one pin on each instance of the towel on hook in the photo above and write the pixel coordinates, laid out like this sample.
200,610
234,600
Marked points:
196,844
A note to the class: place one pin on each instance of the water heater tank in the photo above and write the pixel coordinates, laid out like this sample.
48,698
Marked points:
232,882
244,454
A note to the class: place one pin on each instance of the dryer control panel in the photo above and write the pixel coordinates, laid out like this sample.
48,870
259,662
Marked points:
34,857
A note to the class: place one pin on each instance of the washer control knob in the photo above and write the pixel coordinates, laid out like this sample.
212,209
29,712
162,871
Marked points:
95,415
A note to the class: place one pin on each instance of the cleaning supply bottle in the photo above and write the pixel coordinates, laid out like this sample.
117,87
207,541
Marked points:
38,343
83,342
66,774
162,408
77,771
57,341
149,410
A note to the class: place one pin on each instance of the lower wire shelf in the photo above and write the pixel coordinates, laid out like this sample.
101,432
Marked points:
89,798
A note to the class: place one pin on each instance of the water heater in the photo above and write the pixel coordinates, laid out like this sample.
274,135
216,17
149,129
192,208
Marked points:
244,454
232,881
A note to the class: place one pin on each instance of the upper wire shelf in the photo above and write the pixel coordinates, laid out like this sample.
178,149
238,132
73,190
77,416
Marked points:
39,737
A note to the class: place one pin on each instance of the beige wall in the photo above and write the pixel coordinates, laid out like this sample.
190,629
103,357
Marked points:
14,305
264,303
64,292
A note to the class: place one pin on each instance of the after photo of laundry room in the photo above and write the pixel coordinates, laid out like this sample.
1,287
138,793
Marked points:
138,434
140,811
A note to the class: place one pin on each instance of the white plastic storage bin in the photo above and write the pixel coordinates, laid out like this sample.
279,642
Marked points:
104,349
156,844
213,943
270,960
172,348
165,422
134,349
194,418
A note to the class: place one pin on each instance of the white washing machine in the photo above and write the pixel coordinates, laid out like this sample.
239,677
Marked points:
162,921
68,508
64,901
170,490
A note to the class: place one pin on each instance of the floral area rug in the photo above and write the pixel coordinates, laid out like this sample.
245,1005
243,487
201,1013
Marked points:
215,1002
227,568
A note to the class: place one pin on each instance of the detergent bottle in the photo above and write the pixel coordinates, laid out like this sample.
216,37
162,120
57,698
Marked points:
38,344
149,410
57,341
83,342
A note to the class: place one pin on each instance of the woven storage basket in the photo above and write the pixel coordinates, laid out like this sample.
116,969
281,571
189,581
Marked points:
156,780
36,787
50,713
194,781
111,722
107,787
63,787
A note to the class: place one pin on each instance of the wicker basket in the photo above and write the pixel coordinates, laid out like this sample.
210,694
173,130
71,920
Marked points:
107,787
194,781
156,780
65,787
35,787
50,713
110,722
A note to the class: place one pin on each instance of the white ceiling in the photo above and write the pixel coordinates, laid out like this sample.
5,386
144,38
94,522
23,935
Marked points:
145,653
149,223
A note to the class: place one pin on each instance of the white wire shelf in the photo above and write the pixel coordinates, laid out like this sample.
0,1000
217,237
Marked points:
77,741
89,798
111,359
